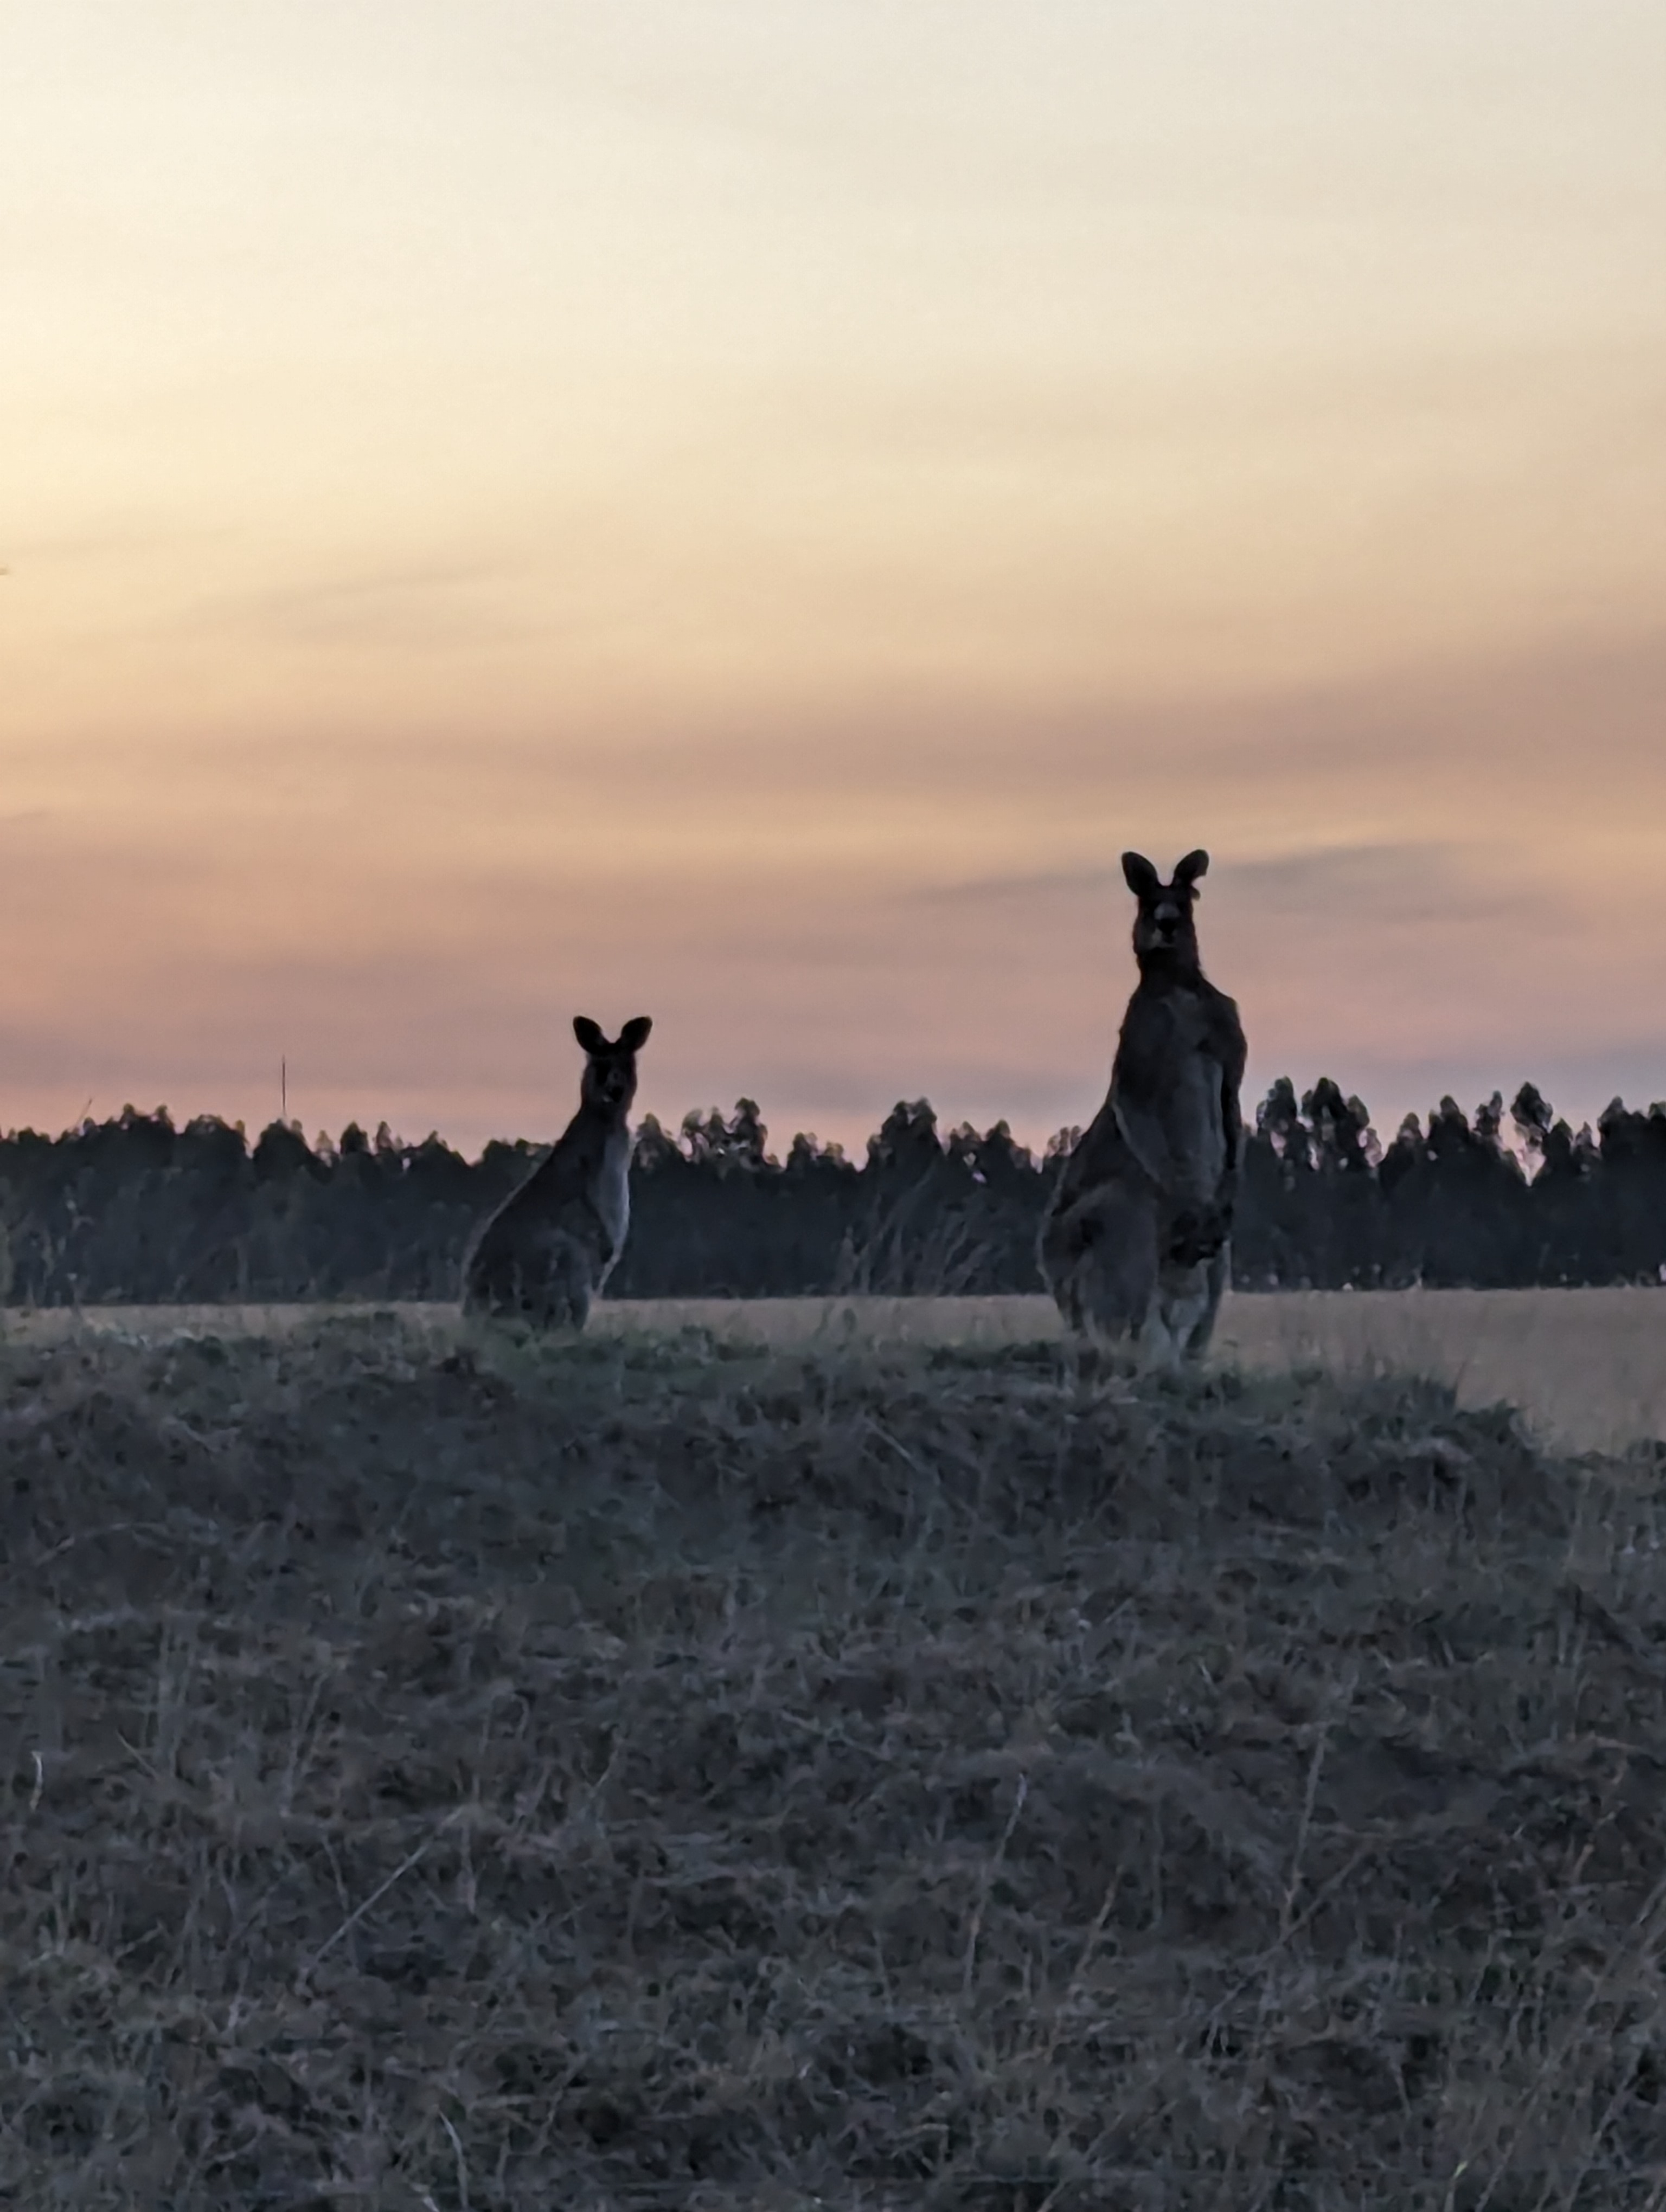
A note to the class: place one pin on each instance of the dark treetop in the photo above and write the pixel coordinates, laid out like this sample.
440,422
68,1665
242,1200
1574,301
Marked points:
134,1208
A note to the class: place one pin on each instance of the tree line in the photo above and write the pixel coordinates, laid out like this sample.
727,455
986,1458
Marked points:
135,1209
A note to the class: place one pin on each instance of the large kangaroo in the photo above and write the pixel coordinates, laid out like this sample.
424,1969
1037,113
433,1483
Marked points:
550,1246
1136,1241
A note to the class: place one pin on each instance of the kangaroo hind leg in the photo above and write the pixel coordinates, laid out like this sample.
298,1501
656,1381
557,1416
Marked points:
1100,1259
1203,1329
570,1285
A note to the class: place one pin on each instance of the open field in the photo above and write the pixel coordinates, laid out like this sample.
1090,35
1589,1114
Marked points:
1586,1367
648,1771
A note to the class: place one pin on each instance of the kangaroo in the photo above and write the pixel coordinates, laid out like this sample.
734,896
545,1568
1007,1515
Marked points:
548,1249
1136,1240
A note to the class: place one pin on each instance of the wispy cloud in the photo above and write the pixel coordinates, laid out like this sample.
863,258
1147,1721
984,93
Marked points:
424,607
1419,883
1371,885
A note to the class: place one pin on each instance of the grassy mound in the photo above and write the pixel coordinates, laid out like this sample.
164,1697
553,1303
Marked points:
641,1774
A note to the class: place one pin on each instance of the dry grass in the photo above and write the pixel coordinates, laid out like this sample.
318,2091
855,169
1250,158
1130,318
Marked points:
646,1772
1587,1369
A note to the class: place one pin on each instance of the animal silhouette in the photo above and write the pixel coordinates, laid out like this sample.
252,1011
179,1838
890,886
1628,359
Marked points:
1136,1241
545,1252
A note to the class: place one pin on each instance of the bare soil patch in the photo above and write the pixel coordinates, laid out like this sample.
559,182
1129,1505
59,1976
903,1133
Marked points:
655,1772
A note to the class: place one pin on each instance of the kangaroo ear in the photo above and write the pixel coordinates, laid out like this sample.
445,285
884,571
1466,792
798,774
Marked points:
588,1035
633,1035
1141,879
1193,866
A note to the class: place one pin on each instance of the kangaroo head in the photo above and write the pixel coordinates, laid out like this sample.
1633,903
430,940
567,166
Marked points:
1164,923
609,1069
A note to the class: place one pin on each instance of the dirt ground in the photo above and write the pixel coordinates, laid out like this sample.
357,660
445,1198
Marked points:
1586,1369
465,1776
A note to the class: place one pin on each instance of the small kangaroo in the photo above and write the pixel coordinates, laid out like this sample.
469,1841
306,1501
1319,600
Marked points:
548,1249
1136,1241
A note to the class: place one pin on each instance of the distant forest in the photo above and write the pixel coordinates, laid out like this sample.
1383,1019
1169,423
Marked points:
135,1209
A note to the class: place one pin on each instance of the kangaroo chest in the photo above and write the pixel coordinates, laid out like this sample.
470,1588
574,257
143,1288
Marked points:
612,1193
1197,1113
1177,1076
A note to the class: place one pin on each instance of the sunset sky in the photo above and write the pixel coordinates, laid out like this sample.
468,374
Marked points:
741,512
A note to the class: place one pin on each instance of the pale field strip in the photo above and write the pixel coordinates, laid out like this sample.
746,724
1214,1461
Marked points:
1586,1368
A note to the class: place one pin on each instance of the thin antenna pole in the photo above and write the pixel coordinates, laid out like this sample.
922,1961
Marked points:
283,1090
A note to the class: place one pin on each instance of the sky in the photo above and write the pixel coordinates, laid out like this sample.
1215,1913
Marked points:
741,514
